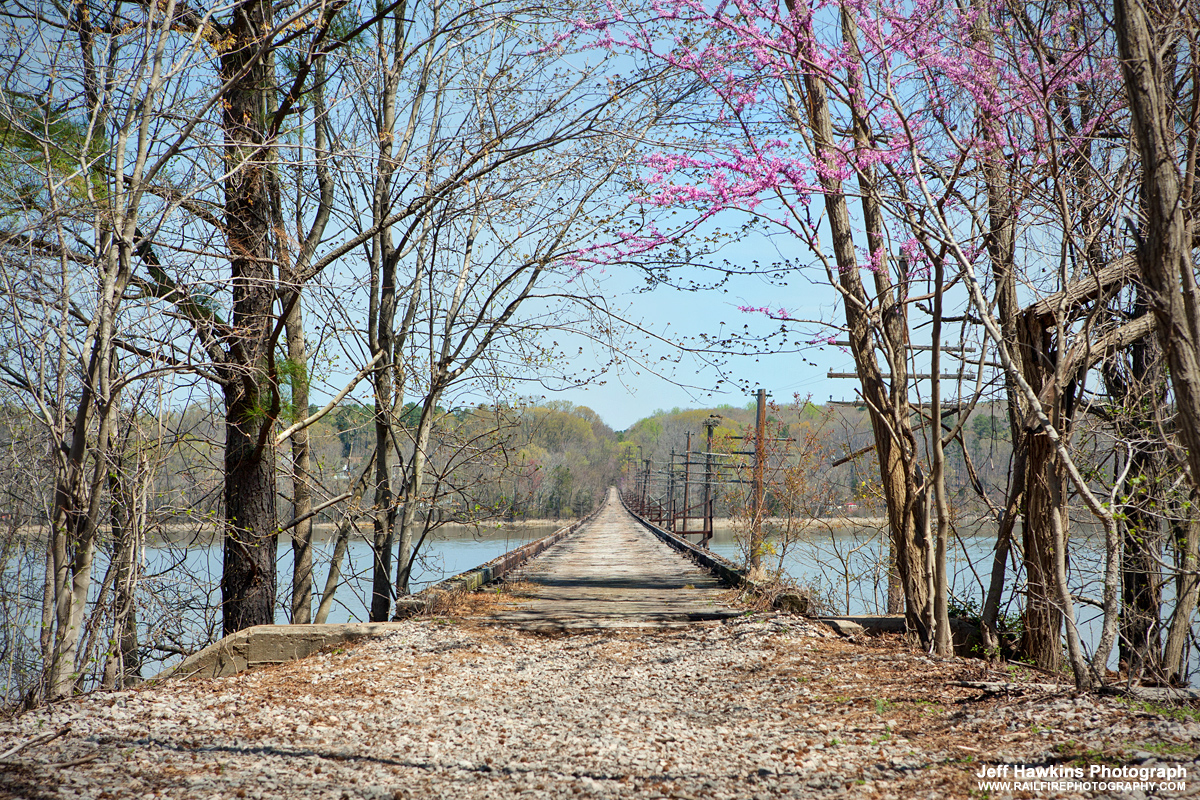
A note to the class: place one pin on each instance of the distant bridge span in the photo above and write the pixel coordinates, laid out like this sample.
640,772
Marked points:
614,572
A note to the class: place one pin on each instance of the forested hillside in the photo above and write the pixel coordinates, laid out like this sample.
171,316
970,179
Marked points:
832,442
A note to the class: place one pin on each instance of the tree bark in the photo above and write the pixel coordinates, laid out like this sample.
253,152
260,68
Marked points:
301,473
248,580
126,497
1164,249
297,348
903,483
1001,248
342,541
1137,384
942,639
1186,531
412,491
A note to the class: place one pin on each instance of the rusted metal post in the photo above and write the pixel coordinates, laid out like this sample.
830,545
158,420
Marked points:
709,424
760,454
687,480
646,487
671,493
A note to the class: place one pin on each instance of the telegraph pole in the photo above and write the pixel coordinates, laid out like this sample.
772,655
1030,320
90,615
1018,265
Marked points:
759,494
671,492
709,425
687,479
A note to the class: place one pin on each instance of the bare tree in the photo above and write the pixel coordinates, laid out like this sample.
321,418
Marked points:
1158,46
484,185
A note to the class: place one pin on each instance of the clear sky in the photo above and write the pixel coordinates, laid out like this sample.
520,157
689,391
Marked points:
655,374
623,396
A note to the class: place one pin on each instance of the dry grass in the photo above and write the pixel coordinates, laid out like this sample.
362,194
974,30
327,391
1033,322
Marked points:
480,603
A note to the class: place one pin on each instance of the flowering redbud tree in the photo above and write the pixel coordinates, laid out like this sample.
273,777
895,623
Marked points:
957,162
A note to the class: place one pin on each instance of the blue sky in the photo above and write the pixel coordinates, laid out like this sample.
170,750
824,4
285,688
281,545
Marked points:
627,395
623,397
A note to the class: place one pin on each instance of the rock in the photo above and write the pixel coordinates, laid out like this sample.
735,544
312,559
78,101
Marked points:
843,627
794,603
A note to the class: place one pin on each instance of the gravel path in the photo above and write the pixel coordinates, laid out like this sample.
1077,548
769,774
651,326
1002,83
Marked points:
762,706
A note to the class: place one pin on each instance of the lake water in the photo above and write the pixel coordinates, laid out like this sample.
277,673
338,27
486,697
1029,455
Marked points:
844,565
448,551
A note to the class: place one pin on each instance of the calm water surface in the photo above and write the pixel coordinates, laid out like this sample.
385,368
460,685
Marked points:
844,566
448,551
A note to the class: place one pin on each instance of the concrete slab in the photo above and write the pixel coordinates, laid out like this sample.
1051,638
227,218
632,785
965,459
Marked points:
264,645
964,633
843,626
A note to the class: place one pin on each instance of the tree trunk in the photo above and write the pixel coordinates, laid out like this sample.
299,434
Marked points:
942,640
382,314
903,484
122,665
1045,496
342,541
77,502
1042,636
251,540
248,580
302,532
1141,580
412,492
1138,387
993,646
1185,527
1001,247
301,487
46,636
1164,249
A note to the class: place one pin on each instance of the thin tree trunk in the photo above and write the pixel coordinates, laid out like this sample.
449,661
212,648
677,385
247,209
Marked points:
46,635
1187,589
1079,664
1164,250
382,321
1140,391
128,575
903,485
992,645
942,642
1001,247
120,666
301,476
301,605
342,542
1141,578
412,493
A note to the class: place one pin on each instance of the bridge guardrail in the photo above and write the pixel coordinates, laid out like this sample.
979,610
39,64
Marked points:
488,572
729,573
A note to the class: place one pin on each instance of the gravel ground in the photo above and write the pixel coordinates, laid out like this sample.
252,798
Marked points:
758,707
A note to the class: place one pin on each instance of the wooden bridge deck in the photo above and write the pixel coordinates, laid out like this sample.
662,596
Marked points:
613,573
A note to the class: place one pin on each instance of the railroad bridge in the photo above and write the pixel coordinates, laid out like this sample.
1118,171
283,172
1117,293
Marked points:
610,570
